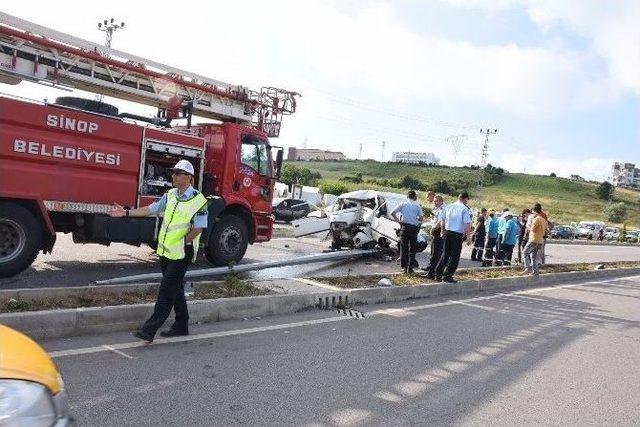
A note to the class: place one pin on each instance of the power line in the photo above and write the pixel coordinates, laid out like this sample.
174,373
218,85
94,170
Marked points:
366,106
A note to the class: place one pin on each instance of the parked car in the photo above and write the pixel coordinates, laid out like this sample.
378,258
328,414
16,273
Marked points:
589,229
563,232
632,236
31,389
289,209
611,233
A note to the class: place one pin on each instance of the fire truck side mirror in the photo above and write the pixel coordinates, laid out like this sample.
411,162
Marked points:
279,155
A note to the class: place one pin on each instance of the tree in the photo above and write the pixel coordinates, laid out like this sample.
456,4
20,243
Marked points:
622,236
616,212
411,183
333,187
441,186
553,175
292,174
605,190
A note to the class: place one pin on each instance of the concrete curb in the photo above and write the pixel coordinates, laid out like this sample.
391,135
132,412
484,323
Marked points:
590,243
81,321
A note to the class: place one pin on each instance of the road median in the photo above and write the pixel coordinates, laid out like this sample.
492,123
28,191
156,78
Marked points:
64,322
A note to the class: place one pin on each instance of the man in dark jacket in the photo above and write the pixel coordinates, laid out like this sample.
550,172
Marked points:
478,237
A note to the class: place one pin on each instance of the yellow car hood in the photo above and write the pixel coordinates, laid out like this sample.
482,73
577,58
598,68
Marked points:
22,359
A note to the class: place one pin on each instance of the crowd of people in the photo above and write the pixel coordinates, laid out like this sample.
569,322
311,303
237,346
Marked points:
494,236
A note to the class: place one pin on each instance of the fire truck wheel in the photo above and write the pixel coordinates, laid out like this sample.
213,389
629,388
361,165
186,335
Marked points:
228,241
20,239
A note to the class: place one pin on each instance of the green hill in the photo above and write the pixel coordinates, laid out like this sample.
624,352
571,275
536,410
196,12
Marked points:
563,199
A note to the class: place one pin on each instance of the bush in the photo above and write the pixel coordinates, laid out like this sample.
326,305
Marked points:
616,212
357,179
292,174
605,190
411,183
333,187
441,186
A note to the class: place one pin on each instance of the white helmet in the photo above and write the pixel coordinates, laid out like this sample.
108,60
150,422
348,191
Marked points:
185,166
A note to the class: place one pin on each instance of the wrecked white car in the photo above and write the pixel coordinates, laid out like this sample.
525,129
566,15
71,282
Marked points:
359,219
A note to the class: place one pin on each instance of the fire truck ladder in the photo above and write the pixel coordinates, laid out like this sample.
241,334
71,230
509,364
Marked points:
36,53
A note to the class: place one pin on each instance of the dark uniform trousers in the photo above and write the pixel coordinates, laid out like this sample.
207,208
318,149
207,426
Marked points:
506,253
478,246
488,251
450,258
497,255
408,244
436,253
171,295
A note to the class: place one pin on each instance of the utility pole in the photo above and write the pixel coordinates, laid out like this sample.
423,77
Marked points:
108,27
360,151
485,152
382,151
485,147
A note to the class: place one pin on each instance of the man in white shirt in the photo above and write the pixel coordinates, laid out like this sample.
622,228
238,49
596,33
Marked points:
456,226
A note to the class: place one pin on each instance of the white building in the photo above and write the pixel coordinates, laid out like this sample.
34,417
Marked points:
625,175
411,157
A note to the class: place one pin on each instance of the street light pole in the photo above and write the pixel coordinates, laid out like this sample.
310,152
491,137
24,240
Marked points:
108,27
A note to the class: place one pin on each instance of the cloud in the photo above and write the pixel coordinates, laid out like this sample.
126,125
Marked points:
598,169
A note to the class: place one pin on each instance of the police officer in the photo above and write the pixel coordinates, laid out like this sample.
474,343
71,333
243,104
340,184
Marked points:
410,218
456,226
185,216
478,237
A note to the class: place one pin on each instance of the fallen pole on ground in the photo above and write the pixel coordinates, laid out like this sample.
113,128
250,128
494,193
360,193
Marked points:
241,268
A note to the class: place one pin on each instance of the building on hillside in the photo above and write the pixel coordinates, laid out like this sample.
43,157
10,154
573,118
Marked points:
625,175
306,154
577,178
414,158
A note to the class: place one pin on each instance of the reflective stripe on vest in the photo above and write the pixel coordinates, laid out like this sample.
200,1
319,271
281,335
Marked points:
177,224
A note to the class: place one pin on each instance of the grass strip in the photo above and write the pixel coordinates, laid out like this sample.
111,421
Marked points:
231,287
369,281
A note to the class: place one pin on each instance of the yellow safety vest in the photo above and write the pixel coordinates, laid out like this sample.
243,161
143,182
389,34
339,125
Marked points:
177,224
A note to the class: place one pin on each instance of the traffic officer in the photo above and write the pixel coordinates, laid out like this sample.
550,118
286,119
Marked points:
456,226
185,216
478,237
491,227
410,218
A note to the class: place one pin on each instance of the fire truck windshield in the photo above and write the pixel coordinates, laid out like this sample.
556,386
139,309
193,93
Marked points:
256,154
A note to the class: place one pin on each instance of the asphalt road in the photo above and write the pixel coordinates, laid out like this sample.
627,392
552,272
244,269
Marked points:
554,356
78,265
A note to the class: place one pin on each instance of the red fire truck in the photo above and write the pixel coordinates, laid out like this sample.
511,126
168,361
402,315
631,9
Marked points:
64,163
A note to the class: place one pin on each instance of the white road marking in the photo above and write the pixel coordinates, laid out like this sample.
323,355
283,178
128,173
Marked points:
235,332
116,351
315,283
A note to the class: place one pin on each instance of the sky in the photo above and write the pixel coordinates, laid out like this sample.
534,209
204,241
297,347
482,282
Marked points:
558,80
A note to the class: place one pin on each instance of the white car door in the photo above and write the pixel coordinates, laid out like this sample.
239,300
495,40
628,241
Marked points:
310,225
381,225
